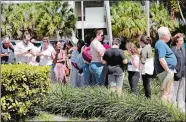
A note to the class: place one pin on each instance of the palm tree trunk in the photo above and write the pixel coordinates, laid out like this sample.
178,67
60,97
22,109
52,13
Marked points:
181,11
158,2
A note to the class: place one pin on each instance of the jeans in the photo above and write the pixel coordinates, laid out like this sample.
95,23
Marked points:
88,77
116,80
105,69
96,69
146,85
133,78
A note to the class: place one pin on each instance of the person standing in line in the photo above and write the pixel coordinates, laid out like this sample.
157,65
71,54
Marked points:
87,57
165,62
24,50
35,50
7,52
45,53
114,58
133,66
70,49
97,50
179,76
147,63
58,57
66,65
76,77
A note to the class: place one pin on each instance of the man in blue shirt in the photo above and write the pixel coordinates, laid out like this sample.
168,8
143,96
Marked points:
184,45
165,62
7,52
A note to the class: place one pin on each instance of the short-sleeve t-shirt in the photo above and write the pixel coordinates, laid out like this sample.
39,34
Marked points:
163,51
10,57
114,58
47,59
184,45
21,47
95,48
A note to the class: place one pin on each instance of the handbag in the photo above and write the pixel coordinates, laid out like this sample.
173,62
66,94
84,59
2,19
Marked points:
148,67
38,57
67,70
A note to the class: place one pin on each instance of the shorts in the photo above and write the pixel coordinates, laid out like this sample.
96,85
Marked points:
116,80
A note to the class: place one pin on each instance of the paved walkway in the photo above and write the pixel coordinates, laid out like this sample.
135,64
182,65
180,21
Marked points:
44,116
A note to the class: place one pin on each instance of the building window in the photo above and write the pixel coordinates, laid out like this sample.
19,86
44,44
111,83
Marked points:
79,18
93,3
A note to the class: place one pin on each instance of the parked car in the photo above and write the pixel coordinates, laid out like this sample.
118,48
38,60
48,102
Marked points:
38,43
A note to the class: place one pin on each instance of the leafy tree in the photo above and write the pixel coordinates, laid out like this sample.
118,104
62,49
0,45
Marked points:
57,18
176,8
49,18
128,19
160,17
18,18
6,26
180,10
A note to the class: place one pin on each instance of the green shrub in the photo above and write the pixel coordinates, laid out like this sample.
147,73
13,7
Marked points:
99,102
22,89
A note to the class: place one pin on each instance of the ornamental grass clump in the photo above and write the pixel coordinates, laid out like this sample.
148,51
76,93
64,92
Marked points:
99,102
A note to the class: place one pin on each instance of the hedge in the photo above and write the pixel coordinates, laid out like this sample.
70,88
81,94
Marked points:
22,90
99,102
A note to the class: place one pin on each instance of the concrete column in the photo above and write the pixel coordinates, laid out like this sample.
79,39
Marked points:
108,19
148,19
82,20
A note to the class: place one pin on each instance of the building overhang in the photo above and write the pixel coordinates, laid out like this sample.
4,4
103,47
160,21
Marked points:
90,25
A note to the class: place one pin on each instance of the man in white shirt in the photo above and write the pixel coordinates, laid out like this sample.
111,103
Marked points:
24,50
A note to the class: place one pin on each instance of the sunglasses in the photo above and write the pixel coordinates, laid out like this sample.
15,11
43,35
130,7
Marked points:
45,40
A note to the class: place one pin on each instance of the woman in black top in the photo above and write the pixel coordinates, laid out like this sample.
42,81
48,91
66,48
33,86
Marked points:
179,76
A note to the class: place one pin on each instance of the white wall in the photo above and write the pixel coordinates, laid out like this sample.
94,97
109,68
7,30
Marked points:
94,14
89,25
71,4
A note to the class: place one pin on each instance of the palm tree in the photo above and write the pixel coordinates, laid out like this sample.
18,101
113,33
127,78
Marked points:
41,19
161,17
128,19
61,19
180,10
6,13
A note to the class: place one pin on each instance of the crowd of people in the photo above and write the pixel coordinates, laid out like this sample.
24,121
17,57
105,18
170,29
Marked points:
91,62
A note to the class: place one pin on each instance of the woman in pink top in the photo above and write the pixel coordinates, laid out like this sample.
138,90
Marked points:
58,62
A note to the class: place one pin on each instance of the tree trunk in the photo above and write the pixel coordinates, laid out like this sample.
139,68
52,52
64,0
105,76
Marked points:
172,14
158,2
57,35
181,11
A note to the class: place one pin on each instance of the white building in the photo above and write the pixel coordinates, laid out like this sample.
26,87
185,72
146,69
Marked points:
94,14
